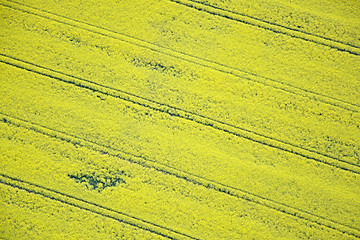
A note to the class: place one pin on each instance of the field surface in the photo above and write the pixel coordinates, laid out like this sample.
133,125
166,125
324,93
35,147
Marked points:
180,119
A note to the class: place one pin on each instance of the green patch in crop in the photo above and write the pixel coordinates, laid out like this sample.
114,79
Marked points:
99,181
156,65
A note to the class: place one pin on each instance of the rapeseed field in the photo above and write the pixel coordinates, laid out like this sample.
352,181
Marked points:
180,119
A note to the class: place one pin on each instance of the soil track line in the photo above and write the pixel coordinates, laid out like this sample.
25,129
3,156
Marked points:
177,112
183,56
92,207
187,176
276,28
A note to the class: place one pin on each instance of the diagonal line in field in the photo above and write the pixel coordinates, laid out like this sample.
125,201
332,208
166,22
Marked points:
92,207
183,56
276,28
177,112
180,174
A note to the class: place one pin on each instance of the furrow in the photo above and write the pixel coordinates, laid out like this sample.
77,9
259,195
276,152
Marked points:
176,112
92,207
187,176
244,75
276,28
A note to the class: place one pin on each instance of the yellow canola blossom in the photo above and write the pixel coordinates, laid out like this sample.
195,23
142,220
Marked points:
179,119
29,216
162,199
